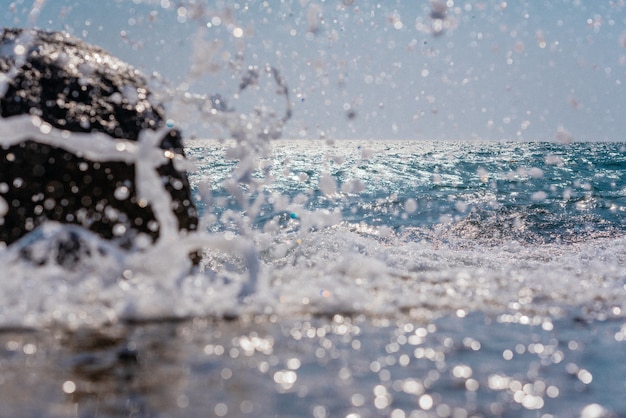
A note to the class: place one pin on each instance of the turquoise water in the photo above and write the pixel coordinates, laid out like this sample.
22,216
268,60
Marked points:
391,278
546,191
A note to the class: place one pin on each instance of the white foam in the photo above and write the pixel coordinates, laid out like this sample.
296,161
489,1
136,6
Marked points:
339,269
108,284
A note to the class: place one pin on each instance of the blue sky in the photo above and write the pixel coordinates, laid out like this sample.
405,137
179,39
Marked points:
513,70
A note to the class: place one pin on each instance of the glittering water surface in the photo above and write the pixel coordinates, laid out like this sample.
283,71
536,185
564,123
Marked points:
352,279
335,366
565,188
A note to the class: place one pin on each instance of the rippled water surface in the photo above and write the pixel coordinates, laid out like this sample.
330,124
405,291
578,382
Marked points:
335,366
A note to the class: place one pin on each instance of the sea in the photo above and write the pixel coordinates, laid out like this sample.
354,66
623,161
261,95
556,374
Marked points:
341,278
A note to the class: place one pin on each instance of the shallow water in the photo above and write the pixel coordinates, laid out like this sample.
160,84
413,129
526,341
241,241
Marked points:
331,366
350,278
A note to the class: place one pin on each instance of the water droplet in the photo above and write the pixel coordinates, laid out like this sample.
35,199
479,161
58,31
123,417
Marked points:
410,205
426,402
119,230
121,193
69,387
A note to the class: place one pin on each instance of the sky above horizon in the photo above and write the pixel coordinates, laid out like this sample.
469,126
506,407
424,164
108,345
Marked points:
361,69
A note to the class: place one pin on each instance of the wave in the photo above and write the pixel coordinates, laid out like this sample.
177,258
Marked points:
344,269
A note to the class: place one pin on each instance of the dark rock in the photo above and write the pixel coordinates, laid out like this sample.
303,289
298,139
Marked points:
78,87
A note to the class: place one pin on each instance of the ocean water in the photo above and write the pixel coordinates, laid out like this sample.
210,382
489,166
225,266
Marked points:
341,279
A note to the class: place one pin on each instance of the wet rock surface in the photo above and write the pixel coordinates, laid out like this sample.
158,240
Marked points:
77,87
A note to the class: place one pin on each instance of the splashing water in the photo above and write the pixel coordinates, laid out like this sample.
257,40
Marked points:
374,229
103,282
396,278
